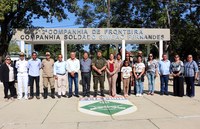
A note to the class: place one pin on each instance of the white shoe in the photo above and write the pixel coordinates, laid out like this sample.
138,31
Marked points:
25,97
19,97
140,95
137,95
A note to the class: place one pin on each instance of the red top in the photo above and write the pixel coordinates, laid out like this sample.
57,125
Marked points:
111,67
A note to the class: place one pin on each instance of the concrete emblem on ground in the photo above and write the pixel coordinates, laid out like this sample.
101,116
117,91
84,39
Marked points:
106,106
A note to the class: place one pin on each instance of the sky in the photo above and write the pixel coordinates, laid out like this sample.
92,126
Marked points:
66,23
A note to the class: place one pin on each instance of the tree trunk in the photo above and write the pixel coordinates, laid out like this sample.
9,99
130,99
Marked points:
4,39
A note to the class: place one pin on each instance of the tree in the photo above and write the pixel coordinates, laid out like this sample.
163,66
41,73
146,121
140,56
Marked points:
181,17
19,14
13,48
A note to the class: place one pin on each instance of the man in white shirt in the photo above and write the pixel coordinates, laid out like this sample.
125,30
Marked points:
22,75
73,66
60,68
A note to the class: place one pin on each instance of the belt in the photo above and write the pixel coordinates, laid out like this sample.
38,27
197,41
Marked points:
22,72
85,72
61,74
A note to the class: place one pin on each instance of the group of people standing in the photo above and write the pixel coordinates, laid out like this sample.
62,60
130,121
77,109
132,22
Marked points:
180,71
130,71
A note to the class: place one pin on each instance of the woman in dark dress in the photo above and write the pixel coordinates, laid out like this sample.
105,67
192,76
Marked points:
177,69
7,76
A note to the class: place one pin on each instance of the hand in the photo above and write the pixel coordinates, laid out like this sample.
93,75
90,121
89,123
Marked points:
157,75
112,73
56,78
72,74
99,71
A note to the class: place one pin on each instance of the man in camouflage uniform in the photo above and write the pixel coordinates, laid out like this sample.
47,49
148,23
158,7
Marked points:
99,66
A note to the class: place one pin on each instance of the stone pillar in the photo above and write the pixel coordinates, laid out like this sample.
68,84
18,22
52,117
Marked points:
63,48
160,49
123,49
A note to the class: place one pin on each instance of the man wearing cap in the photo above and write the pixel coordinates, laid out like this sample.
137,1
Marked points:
7,76
47,66
22,76
99,66
34,66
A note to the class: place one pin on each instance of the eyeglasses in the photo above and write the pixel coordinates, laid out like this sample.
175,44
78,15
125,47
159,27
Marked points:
47,55
189,57
150,56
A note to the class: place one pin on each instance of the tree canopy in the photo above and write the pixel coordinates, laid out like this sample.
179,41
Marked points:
181,17
20,13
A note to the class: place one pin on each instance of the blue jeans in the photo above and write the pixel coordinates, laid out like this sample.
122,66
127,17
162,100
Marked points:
164,83
139,86
151,81
71,79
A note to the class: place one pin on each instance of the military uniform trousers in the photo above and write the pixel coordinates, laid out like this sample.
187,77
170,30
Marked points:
99,79
49,80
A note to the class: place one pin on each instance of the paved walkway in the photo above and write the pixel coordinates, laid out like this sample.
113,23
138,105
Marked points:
153,112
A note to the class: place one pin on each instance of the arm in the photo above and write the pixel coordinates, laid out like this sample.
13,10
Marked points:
54,70
134,73
121,76
116,68
196,70
68,68
143,70
40,64
107,70
95,69
77,66
17,65
156,68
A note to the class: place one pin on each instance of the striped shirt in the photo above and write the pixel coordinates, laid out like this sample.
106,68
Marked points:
190,69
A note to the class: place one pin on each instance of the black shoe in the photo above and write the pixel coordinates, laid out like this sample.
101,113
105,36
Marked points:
76,96
31,97
53,93
167,94
84,94
102,94
88,95
95,94
45,93
69,96
64,96
38,97
161,93
59,96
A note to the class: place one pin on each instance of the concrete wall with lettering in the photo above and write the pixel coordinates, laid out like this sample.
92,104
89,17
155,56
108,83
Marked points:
91,34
